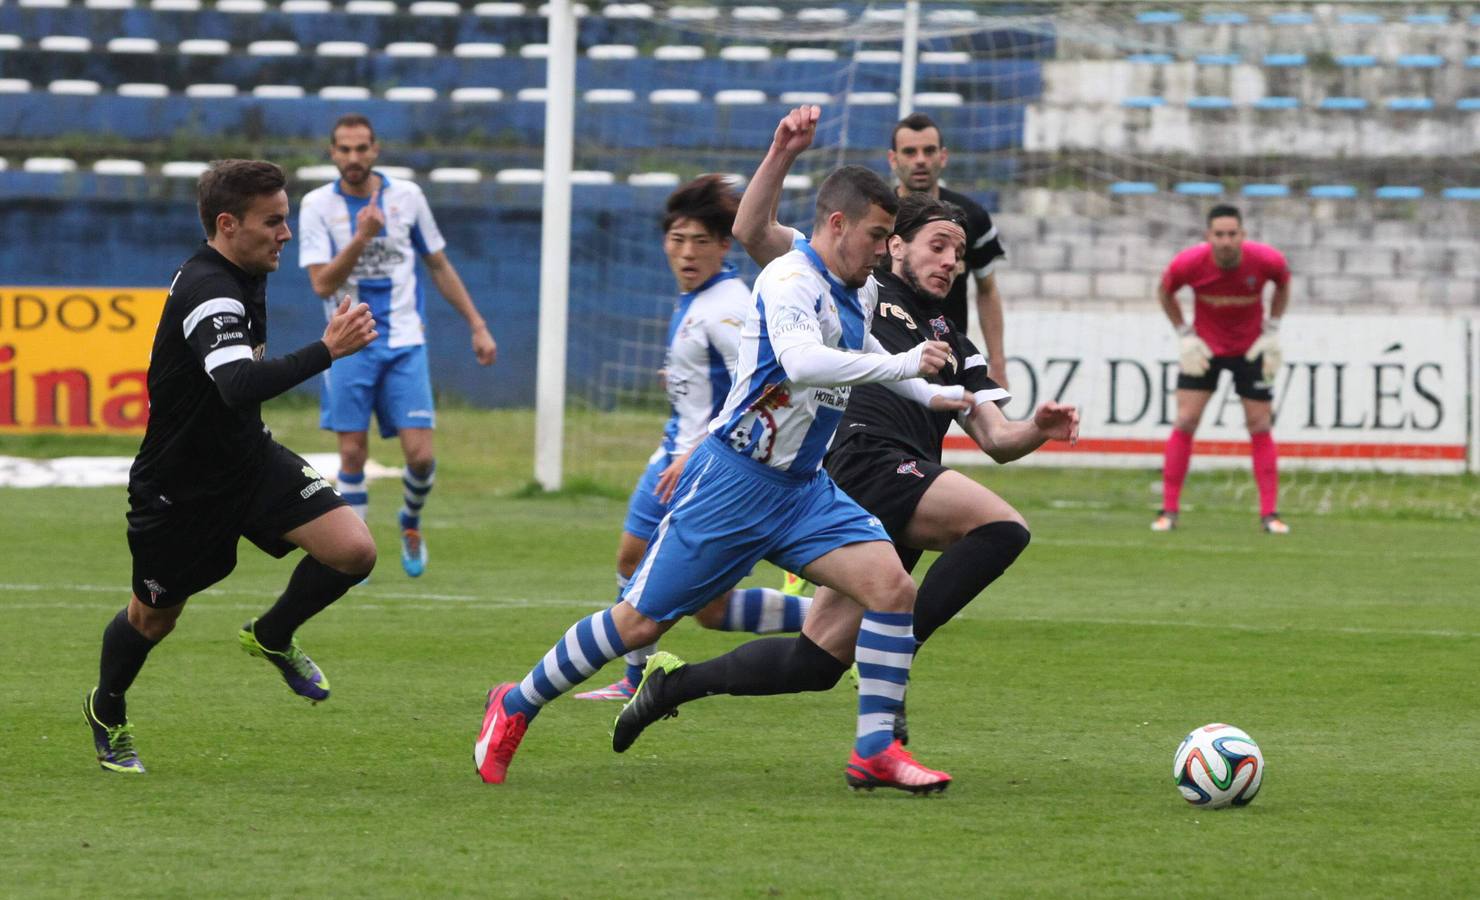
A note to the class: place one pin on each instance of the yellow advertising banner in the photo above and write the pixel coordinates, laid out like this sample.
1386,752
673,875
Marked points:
74,360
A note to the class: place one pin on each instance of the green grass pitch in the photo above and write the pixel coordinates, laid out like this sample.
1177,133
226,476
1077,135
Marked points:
1348,650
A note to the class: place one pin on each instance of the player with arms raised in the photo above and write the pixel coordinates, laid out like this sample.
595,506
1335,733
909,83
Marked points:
698,371
754,489
1229,330
209,473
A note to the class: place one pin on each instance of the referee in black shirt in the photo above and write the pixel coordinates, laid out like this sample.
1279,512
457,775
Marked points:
208,471
917,154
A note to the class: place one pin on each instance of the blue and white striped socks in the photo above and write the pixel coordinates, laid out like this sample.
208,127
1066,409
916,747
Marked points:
589,644
886,648
354,491
765,611
414,489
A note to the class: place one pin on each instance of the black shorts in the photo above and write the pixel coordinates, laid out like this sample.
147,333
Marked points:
1248,378
180,549
886,479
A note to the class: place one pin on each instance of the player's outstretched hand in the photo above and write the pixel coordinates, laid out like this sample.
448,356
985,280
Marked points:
797,129
668,480
484,347
350,329
933,356
370,220
1059,421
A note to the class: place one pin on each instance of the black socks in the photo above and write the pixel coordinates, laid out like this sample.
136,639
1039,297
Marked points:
124,652
780,665
963,571
311,589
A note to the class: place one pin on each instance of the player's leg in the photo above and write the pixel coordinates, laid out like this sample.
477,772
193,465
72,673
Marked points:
127,641
980,536
346,397
416,483
404,406
704,544
1259,416
756,610
1193,395
295,507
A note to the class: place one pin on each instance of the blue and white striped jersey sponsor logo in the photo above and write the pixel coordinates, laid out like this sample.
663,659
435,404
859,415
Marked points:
385,275
766,417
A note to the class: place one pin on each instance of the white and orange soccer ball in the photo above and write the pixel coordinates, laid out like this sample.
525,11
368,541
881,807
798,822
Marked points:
1218,765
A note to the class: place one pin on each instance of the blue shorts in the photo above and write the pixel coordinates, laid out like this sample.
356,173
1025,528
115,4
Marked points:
394,382
730,512
644,509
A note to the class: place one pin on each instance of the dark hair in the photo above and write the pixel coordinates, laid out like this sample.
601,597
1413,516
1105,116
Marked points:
709,200
917,210
350,120
1224,209
851,190
914,122
230,186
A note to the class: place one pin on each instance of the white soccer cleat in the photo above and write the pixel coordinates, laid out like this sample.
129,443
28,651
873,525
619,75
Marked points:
1273,524
1165,521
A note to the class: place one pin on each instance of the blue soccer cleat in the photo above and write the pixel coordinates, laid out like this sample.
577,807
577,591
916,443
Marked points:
413,550
302,676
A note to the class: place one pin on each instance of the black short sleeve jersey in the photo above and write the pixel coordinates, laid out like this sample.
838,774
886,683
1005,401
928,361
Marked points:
902,320
983,250
195,444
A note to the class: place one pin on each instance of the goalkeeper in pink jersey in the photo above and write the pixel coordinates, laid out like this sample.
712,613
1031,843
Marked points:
1228,331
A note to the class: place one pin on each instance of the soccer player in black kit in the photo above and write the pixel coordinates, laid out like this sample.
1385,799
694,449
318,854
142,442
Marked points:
886,456
208,471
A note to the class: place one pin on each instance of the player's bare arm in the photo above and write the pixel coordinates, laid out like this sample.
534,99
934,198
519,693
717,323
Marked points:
756,225
450,286
326,278
1004,440
989,312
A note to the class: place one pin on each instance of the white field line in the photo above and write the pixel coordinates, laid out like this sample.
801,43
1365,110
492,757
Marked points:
470,602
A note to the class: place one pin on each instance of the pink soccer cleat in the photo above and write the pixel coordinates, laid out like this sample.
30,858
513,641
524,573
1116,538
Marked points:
499,738
894,767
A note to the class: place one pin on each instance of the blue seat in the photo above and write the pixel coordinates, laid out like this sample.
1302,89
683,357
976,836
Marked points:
1219,59
1427,19
1467,104
1344,103
1356,60
1284,59
1462,193
1143,102
1291,18
1277,103
1472,62
1225,18
1398,192
1198,188
1152,58
1333,191
1420,61
1265,190
1209,103
1360,19
1159,17
1410,104
1133,187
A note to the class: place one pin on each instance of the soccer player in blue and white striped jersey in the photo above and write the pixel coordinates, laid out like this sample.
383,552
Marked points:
362,235
698,370
754,489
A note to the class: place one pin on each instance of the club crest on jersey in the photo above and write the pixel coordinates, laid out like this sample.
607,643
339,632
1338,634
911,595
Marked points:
909,468
773,396
1251,281
155,589
939,327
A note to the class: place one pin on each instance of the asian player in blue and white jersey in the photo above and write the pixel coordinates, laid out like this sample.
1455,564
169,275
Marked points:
698,371
362,235
754,489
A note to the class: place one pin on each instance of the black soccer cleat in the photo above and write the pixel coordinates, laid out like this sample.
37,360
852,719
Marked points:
647,704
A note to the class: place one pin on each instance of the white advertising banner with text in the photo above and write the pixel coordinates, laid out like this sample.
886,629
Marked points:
1372,393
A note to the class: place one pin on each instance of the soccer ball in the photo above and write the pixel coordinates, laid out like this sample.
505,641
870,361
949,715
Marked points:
1218,765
